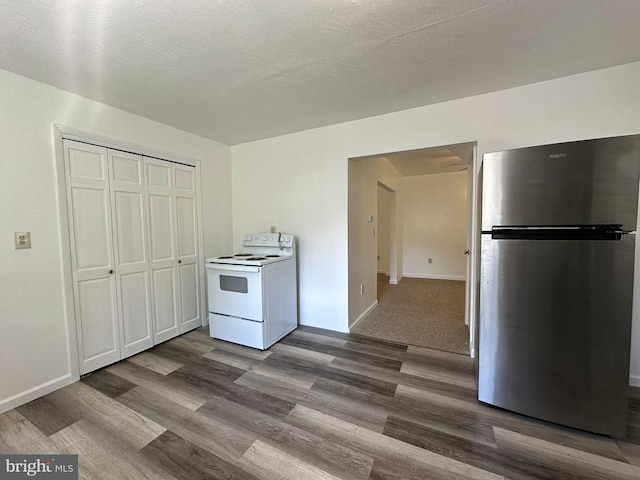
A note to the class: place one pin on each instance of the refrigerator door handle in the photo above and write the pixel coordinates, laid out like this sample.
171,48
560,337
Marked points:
591,232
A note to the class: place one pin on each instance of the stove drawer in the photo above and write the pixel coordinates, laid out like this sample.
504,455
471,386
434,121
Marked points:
237,330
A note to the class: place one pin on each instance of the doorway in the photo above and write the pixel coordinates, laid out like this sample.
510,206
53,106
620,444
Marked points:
427,295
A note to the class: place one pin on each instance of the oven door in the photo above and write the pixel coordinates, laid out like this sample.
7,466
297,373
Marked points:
235,290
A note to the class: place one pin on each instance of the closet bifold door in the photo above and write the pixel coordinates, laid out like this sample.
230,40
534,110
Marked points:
162,249
187,235
91,241
130,251
173,232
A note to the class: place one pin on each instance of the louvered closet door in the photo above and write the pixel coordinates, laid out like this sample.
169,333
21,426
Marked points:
187,234
94,282
163,250
130,253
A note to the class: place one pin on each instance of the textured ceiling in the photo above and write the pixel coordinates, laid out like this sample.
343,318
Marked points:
241,70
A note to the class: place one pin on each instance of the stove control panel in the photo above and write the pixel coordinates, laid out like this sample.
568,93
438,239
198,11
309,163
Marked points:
268,239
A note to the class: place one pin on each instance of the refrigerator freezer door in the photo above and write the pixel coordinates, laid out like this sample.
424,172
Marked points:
577,183
555,325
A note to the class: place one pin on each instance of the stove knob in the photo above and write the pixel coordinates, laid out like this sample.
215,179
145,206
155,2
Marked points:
264,238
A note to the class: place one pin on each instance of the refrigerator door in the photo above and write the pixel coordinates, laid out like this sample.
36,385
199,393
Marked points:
577,183
555,327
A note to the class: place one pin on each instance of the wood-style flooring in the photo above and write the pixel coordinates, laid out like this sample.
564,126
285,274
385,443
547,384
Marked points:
317,405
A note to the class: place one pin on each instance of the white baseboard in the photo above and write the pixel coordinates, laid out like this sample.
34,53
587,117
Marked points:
634,381
435,277
35,392
364,314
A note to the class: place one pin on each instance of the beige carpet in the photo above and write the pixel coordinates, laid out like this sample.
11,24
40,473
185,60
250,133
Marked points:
418,311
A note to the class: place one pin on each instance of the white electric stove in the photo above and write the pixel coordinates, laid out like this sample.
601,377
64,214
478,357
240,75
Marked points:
253,294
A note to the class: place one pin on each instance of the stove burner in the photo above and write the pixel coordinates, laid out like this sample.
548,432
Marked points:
225,256
256,258
273,256
243,255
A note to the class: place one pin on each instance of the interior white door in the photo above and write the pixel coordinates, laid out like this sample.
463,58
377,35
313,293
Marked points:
94,283
187,235
130,254
162,251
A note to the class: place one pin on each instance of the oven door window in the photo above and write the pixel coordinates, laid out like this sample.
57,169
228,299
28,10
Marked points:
230,283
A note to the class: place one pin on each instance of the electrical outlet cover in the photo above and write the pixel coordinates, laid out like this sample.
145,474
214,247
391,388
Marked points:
22,240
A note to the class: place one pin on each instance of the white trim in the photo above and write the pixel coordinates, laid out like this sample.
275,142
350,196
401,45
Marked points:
364,314
634,381
65,257
435,277
35,392
72,133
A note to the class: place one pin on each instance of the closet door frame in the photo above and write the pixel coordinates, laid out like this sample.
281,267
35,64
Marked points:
61,132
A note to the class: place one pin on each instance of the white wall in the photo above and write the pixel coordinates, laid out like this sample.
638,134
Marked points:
364,176
435,226
384,229
299,181
34,350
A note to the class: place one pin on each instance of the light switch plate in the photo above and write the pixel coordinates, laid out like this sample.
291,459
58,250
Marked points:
22,239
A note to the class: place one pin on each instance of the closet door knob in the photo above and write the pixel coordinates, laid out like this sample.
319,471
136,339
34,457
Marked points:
110,271
179,261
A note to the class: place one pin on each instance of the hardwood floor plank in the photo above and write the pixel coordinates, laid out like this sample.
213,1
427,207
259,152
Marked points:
438,417
216,437
196,346
312,370
45,416
265,461
481,455
248,352
102,456
109,415
107,383
291,351
208,378
313,449
155,363
630,451
229,358
448,358
256,400
343,352
187,461
381,446
444,375
320,332
168,387
386,469
19,436
490,416
391,376
345,408
569,460
291,376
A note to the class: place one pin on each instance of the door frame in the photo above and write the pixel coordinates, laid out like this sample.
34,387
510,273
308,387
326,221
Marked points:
61,132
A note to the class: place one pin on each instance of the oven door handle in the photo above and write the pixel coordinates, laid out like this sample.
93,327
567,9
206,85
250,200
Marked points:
232,268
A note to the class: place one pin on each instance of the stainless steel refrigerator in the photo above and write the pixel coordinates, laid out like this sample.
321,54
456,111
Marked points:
556,281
